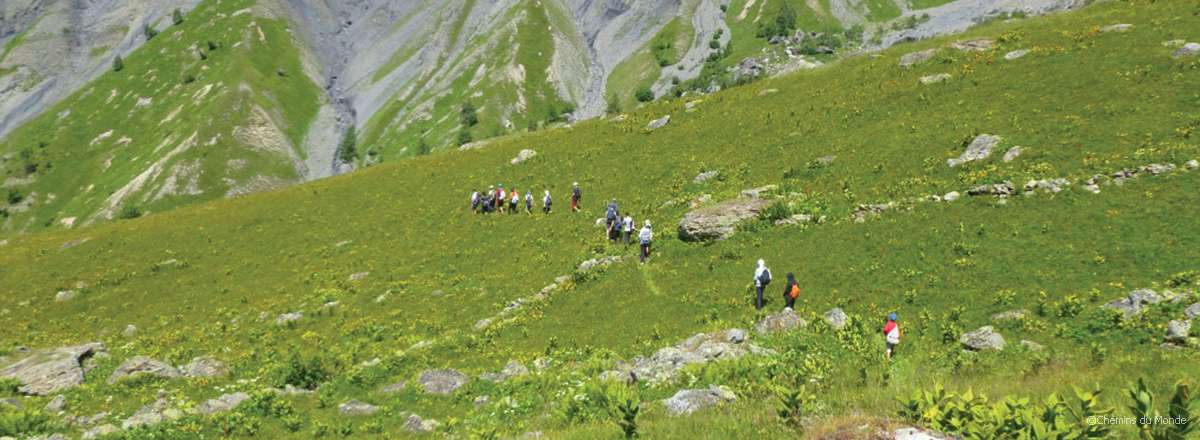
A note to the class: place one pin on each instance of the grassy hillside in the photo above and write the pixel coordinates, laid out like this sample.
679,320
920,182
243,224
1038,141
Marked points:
412,272
198,113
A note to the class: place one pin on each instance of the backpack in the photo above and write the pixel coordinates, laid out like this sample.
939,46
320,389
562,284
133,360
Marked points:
794,292
765,277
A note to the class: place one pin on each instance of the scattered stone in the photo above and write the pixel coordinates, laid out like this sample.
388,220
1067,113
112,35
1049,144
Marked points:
359,276
914,58
596,263
1010,315
355,408
863,211
797,219
1134,303
415,423
100,431
836,318
130,331
50,371
158,412
996,189
1192,311
225,403
658,123
766,92
666,363
1192,164
442,382
1122,27
984,338
56,404
1016,54
686,402
705,176
523,156
204,366
979,149
784,320
65,295
482,401
1046,185
483,324
702,200
288,317
934,79
917,434
1031,346
1178,331
719,221
1155,169
1012,154
758,193
976,45
394,388
690,105
141,365
951,196
514,369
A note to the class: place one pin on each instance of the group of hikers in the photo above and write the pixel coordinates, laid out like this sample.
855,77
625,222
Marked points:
791,291
618,228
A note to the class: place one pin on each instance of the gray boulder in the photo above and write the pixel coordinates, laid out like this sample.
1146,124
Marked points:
1001,190
705,176
100,431
951,196
686,402
784,320
288,317
976,45
719,221
666,363
1178,331
65,295
143,366
523,156
225,403
659,123
934,79
1188,50
204,366
512,370
1010,315
758,193
836,318
57,404
1012,154
356,408
50,371
158,412
914,58
1192,311
414,423
1016,54
984,338
749,67
1135,302
442,382
979,149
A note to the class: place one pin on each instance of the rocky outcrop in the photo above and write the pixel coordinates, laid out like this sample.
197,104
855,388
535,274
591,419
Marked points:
442,382
984,338
659,123
836,318
686,402
512,370
701,348
414,423
225,403
782,321
914,58
1135,302
50,371
719,221
979,149
204,366
523,156
143,366
356,408
1188,50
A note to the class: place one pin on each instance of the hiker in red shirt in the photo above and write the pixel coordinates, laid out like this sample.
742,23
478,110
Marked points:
891,332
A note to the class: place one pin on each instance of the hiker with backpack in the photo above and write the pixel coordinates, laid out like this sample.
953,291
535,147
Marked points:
529,202
475,201
627,225
891,333
516,200
791,291
644,238
546,202
500,198
762,278
611,216
576,195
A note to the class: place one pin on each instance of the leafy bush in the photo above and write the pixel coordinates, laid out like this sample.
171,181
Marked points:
464,137
783,25
177,17
9,386
118,64
468,115
644,94
972,416
129,212
626,411
1178,424
15,197
775,212
24,422
305,372
149,32
348,149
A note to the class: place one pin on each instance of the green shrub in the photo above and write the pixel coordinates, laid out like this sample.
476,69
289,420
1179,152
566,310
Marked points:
972,416
644,94
129,212
348,149
24,422
9,386
149,32
775,212
464,137
118,64
15,196
626,411
468,114
305,372
1178,424
177,17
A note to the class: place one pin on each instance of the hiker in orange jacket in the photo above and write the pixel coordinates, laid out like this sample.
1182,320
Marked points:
791,291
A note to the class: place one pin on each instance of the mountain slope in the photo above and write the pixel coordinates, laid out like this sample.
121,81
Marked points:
388,264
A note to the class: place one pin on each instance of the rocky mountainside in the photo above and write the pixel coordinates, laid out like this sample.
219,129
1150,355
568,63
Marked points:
409,77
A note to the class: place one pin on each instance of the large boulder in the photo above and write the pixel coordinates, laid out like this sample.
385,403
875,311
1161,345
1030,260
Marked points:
659,123
979,149
1178,331
1188,50
666,363
512,370
686,402
414,423
984,338
836,318
914,58
100,431
356,408
442,382
719,221
523,156
204,366
50,371
1135,302
143,366
784,320
225,403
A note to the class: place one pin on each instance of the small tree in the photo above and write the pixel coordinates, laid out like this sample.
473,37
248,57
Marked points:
212,45
177,17
644,94
149,31
348,150
118,64
129,212
469,116
464,137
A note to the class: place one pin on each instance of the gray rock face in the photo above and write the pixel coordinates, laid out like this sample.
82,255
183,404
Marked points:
100,431
523,156
1001,190
414,423
914,58
1188,50
596,263
1135,302
934,79
836,318
141,365
1016,54
225,403
204,366
984,338
56,405
705,176
659,123
979,149
686,402
356,408
701,348
1012,154
442,382
50,371
1178,331
781,321
1010,315
719,221
512,370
